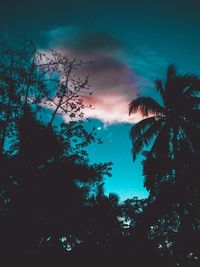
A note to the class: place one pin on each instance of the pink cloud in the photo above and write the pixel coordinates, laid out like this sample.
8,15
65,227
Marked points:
110,109
113,82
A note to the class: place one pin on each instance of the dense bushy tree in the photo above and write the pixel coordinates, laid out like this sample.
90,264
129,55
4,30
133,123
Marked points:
46,177
44,80
47,187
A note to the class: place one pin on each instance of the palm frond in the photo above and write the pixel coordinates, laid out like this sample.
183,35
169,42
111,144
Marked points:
192,116
171,72
193,85
187,84
146,106
143,132
160,88
190,135
161,146
142,126
180,86
184,139
192,102
183,105
170,86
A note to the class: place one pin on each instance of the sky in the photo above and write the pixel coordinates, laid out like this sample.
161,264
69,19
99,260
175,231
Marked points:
131,44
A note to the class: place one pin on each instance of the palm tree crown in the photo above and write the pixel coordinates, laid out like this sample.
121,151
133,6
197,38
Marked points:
167,125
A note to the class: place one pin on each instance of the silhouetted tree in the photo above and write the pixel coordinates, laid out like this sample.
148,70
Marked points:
171,130
48,188
44,80
170,123
47,180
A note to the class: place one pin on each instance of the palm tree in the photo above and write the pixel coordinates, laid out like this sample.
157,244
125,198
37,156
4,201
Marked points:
170,130
168,127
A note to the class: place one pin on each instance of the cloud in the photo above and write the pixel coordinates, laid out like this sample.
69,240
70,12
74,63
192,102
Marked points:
111,110
113,82
81,40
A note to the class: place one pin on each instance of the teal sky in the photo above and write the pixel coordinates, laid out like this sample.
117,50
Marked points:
133,40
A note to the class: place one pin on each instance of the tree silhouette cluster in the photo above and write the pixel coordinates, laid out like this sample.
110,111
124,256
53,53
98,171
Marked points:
49,191
171,166
52,200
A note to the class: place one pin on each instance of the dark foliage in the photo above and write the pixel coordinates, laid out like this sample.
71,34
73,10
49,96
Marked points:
171,167
53,209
